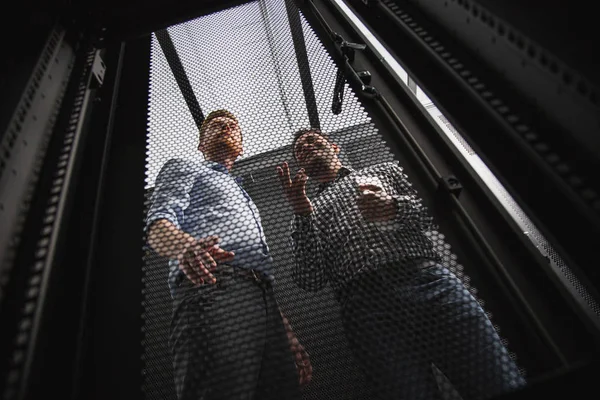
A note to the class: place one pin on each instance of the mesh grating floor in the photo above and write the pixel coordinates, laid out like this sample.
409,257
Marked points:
376,305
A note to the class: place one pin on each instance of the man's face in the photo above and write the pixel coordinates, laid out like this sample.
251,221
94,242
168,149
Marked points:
222,138
315,154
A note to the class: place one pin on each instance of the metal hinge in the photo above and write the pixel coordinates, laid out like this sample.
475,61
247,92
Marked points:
347,71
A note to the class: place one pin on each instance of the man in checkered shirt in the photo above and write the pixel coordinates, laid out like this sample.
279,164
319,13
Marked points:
415,329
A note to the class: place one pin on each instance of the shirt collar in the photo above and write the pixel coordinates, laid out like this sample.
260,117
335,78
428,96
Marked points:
221,168
216,166
342,173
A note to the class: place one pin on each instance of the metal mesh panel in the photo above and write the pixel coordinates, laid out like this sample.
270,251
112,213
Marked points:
393,316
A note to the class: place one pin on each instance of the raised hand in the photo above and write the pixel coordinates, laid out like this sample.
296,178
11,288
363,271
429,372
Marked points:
303,364
295,190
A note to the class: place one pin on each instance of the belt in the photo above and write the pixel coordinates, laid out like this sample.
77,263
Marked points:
249,274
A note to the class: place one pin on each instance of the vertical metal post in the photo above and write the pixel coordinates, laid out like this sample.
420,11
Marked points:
303,66
180,76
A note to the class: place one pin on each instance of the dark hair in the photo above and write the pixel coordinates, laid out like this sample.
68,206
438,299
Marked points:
303,132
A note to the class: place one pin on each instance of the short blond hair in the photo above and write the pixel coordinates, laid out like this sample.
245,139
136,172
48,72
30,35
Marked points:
213,115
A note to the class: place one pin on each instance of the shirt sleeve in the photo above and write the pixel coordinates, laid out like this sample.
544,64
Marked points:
307,247
410,210
171,195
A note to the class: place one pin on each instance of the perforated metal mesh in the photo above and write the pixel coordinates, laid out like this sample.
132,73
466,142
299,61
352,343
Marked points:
372,290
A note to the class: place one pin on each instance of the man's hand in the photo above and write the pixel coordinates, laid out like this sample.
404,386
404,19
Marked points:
375,204
302,360
301,357
200,258
295,190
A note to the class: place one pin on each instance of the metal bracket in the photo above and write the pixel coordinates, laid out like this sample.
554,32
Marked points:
98,71
451,184
349,49
363,78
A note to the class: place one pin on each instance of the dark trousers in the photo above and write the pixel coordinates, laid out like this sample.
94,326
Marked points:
419,334
229,342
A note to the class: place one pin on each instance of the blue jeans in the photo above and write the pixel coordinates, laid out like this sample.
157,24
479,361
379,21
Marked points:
419,334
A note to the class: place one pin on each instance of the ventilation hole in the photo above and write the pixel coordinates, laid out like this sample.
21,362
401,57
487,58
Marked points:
567,78
594,98
554,67
575,181
511,37
588,194
13,378
541,147
531,51
563,168
582,88
522,128
475,11
531,137
32,293
520,43
512,119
